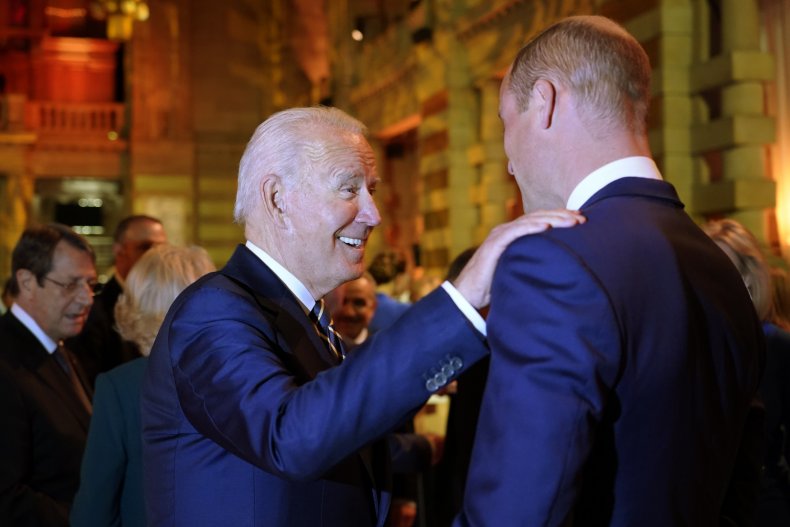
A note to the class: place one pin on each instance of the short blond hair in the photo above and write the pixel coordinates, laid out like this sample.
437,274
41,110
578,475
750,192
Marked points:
743,249
603,65
151,287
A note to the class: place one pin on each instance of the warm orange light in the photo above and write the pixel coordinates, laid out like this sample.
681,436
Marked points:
783,211
120,16
62,12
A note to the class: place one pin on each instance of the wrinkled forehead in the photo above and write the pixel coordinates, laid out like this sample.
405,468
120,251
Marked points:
346,155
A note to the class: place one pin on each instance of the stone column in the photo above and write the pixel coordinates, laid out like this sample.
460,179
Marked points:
743,161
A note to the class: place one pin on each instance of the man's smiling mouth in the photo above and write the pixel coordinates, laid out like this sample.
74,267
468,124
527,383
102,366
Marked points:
353,242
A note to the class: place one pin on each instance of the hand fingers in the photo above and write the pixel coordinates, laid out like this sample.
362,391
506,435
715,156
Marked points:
537,221
560,217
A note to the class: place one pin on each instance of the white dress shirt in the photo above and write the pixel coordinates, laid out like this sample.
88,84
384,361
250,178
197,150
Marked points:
636,166
26,320
307,300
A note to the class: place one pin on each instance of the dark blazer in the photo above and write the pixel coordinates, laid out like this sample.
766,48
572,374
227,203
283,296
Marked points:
624,356
43,427
99,347
247,421
111,478
774,503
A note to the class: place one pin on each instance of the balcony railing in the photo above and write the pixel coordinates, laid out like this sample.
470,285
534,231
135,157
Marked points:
75,119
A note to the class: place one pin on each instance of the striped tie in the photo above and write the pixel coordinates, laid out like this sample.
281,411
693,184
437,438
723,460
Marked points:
321,318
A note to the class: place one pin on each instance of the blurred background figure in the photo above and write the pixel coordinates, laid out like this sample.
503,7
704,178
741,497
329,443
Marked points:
781,295
111,486
99,347
44,396
388,269
450,473
353,306
742,248
7,298
353,309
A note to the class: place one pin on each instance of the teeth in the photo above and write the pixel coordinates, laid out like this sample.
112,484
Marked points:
355,242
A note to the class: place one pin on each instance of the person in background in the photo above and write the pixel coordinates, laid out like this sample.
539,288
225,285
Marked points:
781,294
387,268
7,298
354,305
352,309
625,353
99,347
44,394
251,413
450,473
740,245
111,478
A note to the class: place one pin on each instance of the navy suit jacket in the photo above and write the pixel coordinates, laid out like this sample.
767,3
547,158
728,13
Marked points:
624,356
249,421
111,477
43,427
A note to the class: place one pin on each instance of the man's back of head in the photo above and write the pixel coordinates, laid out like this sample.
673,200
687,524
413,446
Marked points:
575,99
604,66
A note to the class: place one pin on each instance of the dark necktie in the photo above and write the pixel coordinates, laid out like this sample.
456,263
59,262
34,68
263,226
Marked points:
66,363
323,321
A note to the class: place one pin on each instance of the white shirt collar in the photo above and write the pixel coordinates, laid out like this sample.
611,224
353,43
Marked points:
26,320
291,282
362,337
636,166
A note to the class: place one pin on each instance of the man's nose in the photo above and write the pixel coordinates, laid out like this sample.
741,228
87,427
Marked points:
368,212
85,293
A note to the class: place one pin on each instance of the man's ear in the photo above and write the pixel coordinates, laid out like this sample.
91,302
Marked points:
25,280
273,198
544,94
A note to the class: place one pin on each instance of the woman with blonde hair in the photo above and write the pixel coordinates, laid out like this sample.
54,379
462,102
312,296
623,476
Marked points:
111,484
743,249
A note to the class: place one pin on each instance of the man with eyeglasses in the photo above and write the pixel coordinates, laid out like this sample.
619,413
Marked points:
99,347
44,395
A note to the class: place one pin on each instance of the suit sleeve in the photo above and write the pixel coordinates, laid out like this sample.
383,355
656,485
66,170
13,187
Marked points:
103,464
235,387
555,355
20,505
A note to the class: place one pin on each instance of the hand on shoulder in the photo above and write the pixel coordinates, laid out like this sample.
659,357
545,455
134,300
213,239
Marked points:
474,282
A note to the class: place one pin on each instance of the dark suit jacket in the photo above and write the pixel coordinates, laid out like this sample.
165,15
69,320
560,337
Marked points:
247,423
99,347
624,356
43,427
774,503
111,479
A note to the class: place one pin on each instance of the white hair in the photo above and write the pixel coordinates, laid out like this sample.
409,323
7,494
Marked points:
287,144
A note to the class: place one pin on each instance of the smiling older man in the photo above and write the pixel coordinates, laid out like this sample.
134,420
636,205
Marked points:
251,415
44,395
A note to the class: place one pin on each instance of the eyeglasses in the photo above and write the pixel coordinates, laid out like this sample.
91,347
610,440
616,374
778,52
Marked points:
71,288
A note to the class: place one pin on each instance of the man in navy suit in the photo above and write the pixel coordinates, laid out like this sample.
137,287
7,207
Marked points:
624,352
251,416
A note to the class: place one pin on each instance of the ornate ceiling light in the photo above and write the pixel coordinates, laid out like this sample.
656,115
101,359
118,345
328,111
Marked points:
120,16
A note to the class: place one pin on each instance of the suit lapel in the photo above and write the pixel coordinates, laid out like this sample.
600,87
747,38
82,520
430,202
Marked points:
32,355
296,333
51,374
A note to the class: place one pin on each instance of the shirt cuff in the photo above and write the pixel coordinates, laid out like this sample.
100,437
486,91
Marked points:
466,308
